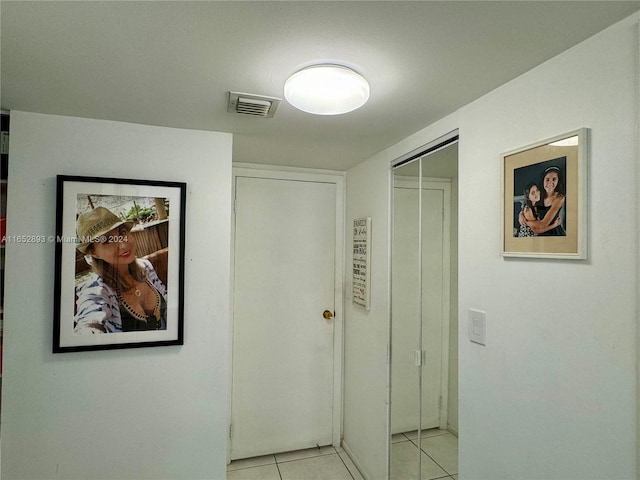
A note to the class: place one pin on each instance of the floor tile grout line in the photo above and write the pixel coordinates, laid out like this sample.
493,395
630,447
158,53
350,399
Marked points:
250,466
433,459
278,462
448,472
310,456
345,465
335,452
438,434
403,441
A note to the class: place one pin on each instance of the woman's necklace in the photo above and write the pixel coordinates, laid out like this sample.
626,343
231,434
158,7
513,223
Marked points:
134,286
156,310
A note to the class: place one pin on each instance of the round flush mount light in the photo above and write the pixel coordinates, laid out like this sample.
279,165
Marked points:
326,90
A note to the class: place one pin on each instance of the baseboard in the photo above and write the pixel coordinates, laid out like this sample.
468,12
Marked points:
355,461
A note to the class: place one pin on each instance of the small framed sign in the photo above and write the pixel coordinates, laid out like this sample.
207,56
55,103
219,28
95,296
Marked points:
361,282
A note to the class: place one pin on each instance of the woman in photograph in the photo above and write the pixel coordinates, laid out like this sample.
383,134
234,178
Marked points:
551,206
122,293
532,220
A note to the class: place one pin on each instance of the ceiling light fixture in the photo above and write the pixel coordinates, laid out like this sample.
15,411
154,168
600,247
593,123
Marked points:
326,90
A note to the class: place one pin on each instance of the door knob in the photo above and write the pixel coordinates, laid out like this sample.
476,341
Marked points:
328,314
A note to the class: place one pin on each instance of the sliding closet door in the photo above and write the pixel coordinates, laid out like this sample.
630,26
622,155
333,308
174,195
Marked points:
432,224
417,304
406,288
420,296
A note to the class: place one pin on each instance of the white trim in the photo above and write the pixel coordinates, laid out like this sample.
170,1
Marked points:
338,342
303,175
446,303
278,168
390,182
356,461
637,243
422,150
401,181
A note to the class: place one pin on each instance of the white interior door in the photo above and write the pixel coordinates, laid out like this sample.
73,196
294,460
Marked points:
283,347
417,306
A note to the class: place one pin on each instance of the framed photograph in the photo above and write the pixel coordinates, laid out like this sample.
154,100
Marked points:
119,263
545,198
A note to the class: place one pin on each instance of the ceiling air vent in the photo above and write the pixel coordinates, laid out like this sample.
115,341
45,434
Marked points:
250,104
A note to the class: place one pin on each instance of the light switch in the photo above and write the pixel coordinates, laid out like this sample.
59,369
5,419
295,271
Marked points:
478,326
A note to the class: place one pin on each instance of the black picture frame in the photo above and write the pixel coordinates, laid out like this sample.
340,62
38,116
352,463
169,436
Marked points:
146,221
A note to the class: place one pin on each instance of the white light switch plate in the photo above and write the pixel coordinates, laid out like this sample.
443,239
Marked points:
478,326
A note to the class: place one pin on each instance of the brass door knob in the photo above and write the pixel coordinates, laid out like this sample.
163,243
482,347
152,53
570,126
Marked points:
328,314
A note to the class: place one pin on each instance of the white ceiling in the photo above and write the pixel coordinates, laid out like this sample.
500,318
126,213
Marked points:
173,63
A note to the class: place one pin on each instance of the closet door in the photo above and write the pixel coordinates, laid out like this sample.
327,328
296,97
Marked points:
432,308
406,303
419,317
418,310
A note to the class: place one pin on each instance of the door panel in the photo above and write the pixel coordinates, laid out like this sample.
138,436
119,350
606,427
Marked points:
432,314
283,355
405,386
409,302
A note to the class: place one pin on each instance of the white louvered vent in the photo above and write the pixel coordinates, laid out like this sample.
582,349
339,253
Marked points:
250,104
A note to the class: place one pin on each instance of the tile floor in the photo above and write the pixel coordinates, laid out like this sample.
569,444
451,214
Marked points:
439,456
439,459
324,463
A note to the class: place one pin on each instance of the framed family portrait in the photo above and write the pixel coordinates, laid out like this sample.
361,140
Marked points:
119,263
544,199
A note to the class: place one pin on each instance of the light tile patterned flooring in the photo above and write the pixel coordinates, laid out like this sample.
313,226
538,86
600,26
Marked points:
439,455
324,463
439,459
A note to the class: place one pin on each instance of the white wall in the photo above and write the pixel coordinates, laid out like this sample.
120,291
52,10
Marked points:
145,413
554,394
366,333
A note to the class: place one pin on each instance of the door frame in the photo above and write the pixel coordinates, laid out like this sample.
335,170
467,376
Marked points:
301,175
444,185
